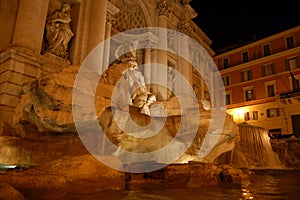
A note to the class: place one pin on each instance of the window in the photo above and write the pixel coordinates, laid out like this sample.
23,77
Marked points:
290,42
270,88
292,63
273,112
226,80
245,56
253,115
225,63
266,50
271,91
268,70
249,95
228,99
246,75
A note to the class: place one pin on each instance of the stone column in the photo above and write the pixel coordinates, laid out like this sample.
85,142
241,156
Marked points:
153,72
96,23
21,63
147,69
110,20
184,61
162,55
30,23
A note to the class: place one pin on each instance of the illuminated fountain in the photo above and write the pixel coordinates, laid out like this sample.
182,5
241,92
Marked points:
84,123
253,149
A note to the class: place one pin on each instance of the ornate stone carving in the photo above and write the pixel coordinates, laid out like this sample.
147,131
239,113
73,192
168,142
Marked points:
110,18
185,27
162,8
112,10
130,16
140,96
172,42
126,52
130,2
58,31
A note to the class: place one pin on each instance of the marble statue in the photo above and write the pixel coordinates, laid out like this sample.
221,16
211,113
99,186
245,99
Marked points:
58,31
140,96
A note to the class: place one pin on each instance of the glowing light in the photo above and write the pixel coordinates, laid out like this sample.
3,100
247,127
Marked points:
238,114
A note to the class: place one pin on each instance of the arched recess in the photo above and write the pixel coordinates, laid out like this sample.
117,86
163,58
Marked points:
133,14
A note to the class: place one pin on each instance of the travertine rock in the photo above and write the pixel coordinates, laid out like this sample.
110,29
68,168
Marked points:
46,108
76,175
191,175
288,151
6,129
8,192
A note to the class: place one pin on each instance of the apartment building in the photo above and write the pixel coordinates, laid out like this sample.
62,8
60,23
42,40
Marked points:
261,81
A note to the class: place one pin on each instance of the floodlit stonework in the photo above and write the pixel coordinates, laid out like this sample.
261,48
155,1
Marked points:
28,51
51,106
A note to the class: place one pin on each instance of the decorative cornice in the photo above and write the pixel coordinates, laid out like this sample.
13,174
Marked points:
112,9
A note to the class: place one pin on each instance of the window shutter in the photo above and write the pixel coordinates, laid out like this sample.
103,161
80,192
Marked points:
250,75
255,115
273,68
247,116
264,70
287,65
268,113
242,77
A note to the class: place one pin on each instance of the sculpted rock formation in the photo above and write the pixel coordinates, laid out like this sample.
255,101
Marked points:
46,107
44,128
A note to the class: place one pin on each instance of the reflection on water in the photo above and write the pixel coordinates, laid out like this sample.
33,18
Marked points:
276,184
264,185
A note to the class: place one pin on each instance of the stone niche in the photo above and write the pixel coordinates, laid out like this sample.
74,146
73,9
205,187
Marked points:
54,63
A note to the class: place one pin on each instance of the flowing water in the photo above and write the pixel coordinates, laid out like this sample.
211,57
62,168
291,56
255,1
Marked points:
264,185
254,149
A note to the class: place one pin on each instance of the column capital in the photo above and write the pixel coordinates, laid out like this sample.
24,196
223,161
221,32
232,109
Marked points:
185,27
110,18
111,11
162,8
148,44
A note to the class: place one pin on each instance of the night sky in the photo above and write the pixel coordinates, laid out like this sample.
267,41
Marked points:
227,23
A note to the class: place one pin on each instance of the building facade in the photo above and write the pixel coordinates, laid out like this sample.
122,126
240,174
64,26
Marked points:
261,80
30,44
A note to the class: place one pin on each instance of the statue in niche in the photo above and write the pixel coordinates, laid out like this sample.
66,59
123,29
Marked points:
58,31
140,97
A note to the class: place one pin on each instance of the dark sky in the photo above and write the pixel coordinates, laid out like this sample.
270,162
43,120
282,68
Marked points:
227,23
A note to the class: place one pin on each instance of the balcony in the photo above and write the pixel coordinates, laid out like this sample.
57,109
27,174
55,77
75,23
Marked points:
290,95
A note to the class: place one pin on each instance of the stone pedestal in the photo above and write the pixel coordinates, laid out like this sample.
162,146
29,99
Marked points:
16,68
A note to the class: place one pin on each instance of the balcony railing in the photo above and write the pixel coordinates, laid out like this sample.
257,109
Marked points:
289,95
